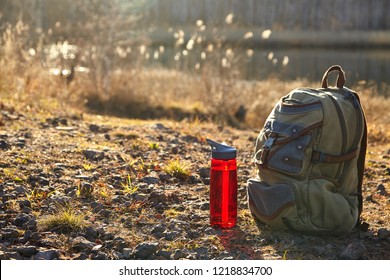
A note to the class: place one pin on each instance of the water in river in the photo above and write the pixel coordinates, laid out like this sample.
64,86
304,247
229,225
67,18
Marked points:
290,64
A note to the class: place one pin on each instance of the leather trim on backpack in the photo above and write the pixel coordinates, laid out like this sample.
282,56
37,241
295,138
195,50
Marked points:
319,157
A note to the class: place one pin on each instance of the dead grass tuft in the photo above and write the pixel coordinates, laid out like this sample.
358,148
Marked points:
64,221
178,168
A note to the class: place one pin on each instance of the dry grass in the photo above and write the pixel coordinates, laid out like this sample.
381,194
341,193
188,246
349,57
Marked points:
178,168
64,221
210,93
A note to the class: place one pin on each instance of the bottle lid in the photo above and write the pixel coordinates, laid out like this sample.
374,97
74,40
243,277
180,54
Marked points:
221,151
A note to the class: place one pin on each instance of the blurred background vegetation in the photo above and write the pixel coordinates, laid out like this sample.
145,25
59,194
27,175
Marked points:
226,60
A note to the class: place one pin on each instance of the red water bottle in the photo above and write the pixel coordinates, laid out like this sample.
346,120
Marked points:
223,185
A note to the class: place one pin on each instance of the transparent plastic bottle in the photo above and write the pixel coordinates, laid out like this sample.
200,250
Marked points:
223,185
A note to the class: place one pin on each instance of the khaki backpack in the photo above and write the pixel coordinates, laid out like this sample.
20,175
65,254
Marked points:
310,156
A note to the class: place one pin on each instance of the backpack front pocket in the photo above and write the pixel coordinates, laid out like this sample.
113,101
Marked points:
269,203
289,158
284,142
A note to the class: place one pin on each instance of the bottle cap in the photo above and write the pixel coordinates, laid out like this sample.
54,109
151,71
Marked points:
221,151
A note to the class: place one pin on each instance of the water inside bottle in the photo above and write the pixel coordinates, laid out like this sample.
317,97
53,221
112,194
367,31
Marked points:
223,193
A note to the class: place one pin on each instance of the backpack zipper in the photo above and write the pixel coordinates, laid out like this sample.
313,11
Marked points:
301,133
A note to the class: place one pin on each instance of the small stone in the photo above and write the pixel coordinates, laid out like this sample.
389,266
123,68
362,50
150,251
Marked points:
354,251
117,199
117,177
108,236
383,233
66,128
24,203
171,235
3,256
32,179
120,245
174,150
90,232
193,234
83,177
127,253
51,254
194,179
60,199
26,251
205,206
140,197
4,145
96,207
20,190
164,177
31,224
80,256
13,256
150,180
43,181
35,236
94,128
59,168
93,154
21,143
179,254
163,255
202,252
156,197
86,189
100,256
22,219
204,172
381,190
27,235
81,244
159,126
145,250
105,213
158,229
96,248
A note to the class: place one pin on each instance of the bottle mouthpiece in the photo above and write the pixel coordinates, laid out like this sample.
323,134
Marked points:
221,151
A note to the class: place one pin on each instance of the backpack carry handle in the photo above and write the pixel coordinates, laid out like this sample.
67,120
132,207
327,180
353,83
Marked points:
340,78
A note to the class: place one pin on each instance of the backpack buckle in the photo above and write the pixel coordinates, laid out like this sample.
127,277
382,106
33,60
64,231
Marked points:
269,143
267,147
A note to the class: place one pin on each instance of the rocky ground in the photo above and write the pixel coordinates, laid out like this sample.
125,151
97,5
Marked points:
93,187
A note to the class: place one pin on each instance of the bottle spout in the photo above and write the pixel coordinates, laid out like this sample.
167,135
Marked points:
221,151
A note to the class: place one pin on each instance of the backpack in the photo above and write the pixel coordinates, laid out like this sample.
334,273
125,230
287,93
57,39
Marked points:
310,156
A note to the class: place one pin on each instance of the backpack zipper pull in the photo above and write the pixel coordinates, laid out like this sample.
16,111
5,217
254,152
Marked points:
267,147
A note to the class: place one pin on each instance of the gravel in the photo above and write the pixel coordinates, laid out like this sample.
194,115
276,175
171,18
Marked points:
44,170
